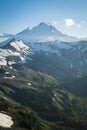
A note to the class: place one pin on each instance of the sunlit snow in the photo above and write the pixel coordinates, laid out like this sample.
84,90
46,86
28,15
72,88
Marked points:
5,121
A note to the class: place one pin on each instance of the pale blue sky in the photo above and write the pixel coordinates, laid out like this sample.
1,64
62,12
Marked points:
69,16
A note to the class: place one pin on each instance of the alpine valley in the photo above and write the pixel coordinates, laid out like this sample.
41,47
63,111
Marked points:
43,80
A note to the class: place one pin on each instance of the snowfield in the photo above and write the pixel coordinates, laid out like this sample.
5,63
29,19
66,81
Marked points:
5,121
21,50
20,46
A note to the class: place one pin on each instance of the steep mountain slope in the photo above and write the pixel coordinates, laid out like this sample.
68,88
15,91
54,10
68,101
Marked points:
25,119
78,86
16,49
65,61
34,67
61,59
42,93
47,42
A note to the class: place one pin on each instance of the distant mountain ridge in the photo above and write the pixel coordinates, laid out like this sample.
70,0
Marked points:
4,37
43,33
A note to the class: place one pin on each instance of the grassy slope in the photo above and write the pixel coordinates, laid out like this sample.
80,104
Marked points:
78,86
47,100
25,119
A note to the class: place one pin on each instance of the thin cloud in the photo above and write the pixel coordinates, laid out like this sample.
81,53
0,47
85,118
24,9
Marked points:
83,21
69,22
55,23
78,25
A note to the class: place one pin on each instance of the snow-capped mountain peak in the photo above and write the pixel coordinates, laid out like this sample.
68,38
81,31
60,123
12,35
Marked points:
42,33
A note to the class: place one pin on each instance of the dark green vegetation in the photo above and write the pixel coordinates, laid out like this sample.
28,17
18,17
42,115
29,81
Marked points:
43,94
77,86
25,119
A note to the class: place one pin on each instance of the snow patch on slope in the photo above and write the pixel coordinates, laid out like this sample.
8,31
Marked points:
3,62
19,46
10,77
20,50
44,47
50,47
5,121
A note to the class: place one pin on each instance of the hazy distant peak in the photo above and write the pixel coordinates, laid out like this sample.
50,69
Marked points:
43,32
46,25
